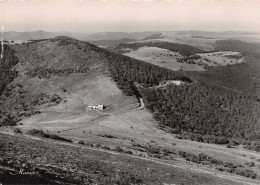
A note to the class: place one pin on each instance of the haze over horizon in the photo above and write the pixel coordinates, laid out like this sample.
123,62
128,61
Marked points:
129,16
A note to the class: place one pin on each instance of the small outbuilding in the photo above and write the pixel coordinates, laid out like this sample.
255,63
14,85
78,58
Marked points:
175,82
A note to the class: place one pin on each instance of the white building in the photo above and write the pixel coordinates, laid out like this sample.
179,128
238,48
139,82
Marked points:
93,107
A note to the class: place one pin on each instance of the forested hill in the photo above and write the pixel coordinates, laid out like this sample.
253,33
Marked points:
62,56
183,49
238,78
220,107
223,105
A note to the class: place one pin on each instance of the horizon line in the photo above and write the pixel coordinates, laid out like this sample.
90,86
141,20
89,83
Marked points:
188,30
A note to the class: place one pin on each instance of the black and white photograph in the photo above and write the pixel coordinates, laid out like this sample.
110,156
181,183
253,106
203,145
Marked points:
129,92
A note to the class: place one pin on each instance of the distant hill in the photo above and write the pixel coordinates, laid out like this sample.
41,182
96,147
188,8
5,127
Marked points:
153,36
35,35
28,35
107,36
211,33
110,43
120,35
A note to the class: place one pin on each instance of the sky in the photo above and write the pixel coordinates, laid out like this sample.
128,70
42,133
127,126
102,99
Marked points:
90,16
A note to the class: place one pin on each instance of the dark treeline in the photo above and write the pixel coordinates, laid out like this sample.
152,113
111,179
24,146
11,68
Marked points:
154,36
7,74
110,42
125,71
236,77
37,40
6,64
199,108
183,49
188,58
236,45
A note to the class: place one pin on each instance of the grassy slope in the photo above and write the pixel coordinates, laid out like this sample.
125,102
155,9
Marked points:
175,61
183,49
162,58
76,165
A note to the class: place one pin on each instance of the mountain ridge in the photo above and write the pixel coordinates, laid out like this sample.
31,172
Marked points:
40,34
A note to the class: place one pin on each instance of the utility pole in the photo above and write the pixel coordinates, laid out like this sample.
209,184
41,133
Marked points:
2,42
